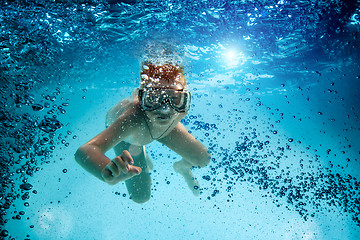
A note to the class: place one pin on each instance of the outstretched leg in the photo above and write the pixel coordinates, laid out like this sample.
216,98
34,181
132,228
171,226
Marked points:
184,169
139,186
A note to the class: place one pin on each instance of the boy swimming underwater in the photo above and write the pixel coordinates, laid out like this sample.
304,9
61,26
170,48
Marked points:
154,113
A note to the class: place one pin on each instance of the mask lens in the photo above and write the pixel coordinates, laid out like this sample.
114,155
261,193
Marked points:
180,100
177,98
151,99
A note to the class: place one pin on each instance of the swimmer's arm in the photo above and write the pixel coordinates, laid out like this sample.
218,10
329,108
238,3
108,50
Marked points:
91,155
184,143
113,113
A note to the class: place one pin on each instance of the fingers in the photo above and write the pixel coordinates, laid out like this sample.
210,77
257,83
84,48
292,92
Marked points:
119,164
108,177
133,170
127,157
129,161
106,174
122,163
113,168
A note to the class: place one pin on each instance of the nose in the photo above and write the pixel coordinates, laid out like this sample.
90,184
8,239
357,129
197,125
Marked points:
165,108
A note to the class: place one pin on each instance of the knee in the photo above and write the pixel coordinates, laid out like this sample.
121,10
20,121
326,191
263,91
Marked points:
140,198
139,187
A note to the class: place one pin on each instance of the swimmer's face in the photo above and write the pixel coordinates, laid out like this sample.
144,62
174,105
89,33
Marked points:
166,77
166,114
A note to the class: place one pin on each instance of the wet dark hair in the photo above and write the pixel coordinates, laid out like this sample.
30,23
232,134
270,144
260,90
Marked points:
165,72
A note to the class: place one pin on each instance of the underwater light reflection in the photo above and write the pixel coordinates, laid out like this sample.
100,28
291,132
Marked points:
234,58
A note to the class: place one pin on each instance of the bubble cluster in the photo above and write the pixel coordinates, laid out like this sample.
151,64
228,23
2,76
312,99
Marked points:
257,162
28,140
30,113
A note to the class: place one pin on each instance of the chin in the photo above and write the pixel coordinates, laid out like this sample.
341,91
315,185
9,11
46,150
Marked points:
163,121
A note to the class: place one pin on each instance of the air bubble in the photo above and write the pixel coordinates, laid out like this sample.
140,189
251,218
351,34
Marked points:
44,141
26,186
50,125
37,107
4,233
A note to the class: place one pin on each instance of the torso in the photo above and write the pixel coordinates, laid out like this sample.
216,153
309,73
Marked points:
140,134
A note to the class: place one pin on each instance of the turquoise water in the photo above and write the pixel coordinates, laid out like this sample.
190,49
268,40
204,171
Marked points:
275,98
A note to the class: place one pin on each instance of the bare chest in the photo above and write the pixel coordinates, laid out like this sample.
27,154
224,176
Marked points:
140,136
144,134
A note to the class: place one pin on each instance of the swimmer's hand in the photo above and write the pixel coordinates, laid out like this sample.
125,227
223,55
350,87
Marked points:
120,169
184,169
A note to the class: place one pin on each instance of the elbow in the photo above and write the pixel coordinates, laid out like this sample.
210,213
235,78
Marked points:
77,155
80,154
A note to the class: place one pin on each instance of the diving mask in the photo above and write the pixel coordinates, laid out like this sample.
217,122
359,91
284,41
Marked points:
153,98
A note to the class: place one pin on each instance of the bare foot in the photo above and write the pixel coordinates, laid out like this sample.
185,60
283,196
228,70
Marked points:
185,171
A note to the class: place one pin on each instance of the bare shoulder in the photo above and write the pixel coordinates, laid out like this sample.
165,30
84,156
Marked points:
118,109
122,127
